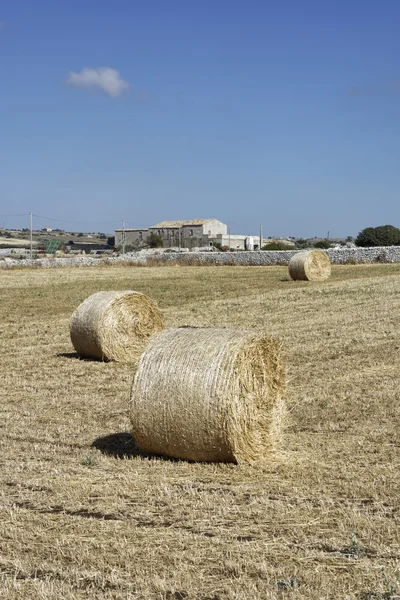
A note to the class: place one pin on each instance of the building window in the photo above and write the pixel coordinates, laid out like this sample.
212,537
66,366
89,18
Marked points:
190,231
140,235
209,232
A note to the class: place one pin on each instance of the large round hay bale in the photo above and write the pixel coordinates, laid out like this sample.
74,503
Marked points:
310,265
209,395
114,325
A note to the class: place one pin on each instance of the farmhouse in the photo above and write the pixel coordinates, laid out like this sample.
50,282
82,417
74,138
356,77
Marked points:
197,233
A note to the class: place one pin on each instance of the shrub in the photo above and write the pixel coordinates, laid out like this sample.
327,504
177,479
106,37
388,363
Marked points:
323,244
155,241
382,257
128,248
275,246
217,245
302,243
384,235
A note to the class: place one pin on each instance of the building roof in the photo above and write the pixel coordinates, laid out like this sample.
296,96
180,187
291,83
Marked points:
166,224
130,229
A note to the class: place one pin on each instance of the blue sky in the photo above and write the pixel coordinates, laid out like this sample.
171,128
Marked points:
281,113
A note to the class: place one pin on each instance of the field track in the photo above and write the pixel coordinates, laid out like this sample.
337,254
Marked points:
84,515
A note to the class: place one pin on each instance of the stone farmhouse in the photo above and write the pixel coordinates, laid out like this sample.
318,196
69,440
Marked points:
197,233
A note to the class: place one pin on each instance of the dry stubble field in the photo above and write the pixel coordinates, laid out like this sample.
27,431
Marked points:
83,515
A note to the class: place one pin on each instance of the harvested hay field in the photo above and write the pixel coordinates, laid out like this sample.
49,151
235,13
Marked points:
84,515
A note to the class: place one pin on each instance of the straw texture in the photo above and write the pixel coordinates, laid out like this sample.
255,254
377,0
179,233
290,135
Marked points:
114,325
310,265
209,395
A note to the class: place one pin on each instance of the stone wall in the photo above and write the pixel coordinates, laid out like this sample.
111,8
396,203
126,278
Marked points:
282,257
388,254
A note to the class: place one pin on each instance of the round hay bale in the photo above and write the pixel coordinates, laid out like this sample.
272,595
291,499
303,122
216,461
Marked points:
114,325
310,265
209,395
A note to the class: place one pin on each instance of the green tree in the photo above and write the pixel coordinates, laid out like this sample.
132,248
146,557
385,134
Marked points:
217,245
384,235
155,241
302,243
323,244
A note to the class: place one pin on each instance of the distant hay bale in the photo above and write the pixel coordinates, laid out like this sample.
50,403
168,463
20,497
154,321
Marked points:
209,395
310,265
114,325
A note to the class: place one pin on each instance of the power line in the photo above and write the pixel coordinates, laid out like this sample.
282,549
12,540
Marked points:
30,232
76,222
22,215
88,221
59,220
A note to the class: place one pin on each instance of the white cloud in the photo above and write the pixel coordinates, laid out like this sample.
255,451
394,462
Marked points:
105,78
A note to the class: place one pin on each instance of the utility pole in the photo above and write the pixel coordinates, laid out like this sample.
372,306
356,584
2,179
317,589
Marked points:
229,235
30,220
261,237
123,236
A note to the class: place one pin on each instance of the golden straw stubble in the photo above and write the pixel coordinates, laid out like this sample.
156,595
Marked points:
209,395
310,265
114,325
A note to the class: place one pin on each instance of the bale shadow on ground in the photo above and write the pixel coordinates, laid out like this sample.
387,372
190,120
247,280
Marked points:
77,356
119,445
123,445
